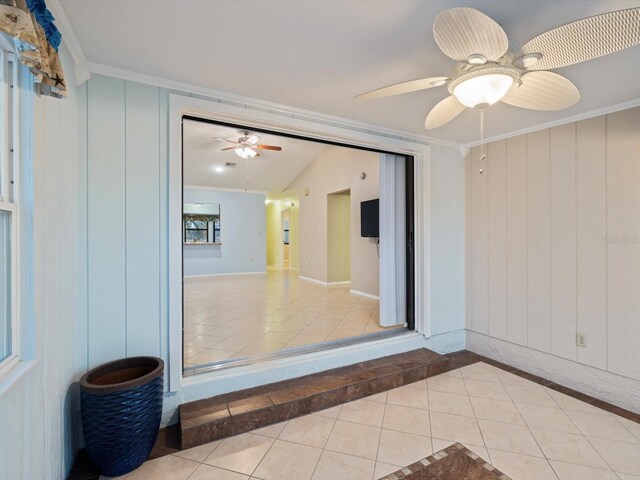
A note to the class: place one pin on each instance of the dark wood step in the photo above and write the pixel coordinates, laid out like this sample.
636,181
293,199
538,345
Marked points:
238,412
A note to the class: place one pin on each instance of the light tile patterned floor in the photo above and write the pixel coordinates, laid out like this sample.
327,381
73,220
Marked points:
526,430
240,315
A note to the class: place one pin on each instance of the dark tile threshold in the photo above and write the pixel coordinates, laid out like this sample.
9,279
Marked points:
452,463
169,440
204,421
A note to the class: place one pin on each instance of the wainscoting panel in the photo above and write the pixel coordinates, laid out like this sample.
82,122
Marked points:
623,241
591,248
572,200
106,220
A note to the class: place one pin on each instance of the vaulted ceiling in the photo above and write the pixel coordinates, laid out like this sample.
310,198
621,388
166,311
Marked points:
318,54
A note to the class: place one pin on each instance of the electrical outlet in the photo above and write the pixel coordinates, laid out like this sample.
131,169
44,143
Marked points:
581,339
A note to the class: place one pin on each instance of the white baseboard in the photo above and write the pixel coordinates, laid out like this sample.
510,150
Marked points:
347,282
224,274
600,384
313,280
364,294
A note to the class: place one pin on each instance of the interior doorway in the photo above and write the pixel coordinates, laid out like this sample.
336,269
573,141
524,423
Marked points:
285,239
339,238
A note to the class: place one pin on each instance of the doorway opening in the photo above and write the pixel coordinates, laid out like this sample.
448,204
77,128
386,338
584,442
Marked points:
297,266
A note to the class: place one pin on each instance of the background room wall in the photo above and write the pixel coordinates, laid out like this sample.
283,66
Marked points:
38,423
333,170
553,249
242,232
275,207
339,237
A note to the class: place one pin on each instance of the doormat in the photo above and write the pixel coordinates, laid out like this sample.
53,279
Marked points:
452,463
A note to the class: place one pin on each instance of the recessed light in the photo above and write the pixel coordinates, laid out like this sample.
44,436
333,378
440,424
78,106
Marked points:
219,169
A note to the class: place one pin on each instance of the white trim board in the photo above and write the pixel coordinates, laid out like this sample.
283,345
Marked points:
607,386
364,294
561,121
272,108
225,274
223,189
325,284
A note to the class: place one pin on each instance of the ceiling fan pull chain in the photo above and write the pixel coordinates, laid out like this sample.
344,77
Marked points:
482,154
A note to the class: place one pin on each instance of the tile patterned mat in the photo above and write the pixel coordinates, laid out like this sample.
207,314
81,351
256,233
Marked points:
452,463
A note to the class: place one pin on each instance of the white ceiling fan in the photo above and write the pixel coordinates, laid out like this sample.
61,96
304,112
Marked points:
247,145
487,72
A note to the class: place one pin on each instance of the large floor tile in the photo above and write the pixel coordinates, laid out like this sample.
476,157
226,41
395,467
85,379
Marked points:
312,430
498,410
409,397
602,426
450,403
200,453
479,371
568,448
207,472
455,428
446,383
569,471
384,469
403,448
522,467
549,418
288,461
406,419
439,444
363,411
621,456
633,427
339,466
241,454
486,389
530,394
354,439
509,438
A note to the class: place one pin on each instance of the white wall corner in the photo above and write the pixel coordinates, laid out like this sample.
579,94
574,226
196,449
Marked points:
81,68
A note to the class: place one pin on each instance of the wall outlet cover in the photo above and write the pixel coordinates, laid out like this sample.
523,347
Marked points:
581,339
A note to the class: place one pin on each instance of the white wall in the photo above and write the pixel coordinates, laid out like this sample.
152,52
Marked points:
336,169
447,230
37,423
242,233
553,242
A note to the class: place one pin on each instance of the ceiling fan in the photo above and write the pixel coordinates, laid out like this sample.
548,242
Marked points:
488,72
247,145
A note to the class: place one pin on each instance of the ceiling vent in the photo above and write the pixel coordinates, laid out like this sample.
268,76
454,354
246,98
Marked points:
230,165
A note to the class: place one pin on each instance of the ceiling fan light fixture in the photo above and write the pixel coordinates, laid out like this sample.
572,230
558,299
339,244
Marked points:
483,90
245,152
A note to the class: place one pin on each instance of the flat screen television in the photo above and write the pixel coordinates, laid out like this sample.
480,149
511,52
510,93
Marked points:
370,218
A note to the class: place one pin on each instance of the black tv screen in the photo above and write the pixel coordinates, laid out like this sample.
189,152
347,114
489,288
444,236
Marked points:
370,218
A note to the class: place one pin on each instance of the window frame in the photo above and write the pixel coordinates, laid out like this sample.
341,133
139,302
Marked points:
10,192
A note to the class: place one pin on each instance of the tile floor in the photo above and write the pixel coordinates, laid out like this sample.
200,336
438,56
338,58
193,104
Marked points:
524,429
241,315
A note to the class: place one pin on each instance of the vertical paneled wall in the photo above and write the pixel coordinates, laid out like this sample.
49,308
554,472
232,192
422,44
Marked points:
124,215
553,241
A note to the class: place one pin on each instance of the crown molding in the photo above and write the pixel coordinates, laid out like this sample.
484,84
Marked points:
264,105
81,65
224,189
562,121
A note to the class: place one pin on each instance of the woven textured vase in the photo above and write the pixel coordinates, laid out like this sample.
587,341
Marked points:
121,405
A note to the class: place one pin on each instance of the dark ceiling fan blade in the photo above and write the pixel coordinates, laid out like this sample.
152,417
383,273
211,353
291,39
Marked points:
404,87
269,147
462,32
585,39
228,148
